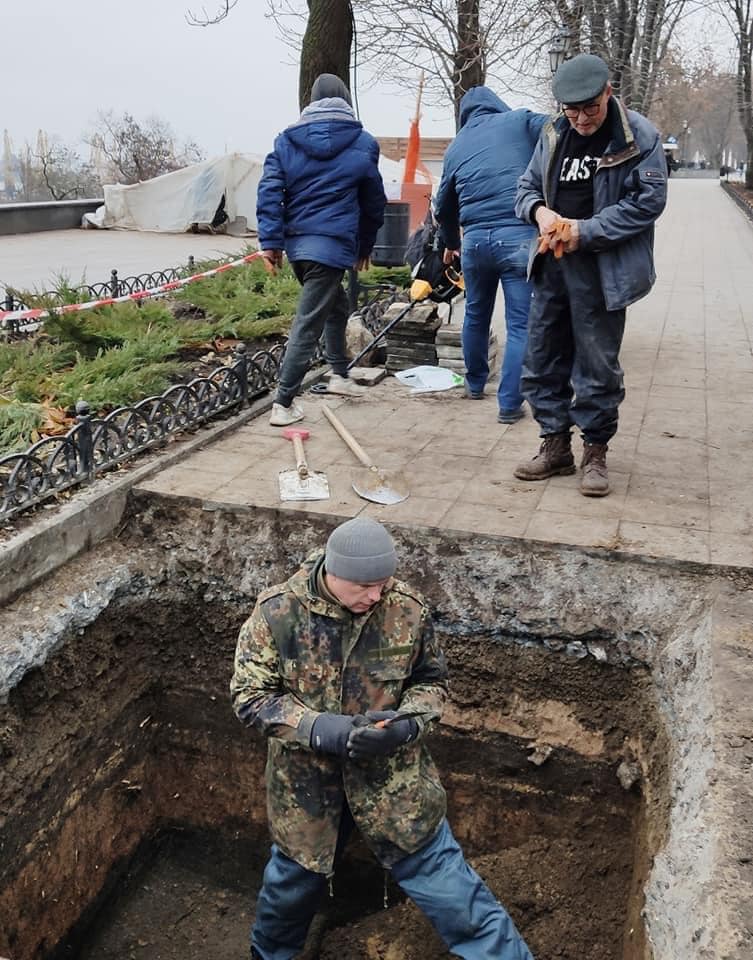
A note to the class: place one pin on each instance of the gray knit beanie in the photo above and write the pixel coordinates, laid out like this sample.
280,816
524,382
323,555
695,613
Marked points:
361,551
328,85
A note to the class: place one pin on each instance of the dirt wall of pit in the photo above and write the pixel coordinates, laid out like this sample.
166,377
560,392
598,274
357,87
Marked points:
578,680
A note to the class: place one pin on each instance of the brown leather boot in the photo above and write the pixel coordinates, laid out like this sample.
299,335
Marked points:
554,458
595,479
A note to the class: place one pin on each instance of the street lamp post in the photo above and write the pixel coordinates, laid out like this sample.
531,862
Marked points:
686,131
559,49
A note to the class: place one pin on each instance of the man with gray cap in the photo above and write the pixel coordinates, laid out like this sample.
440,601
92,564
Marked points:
340,669
321,201
595,186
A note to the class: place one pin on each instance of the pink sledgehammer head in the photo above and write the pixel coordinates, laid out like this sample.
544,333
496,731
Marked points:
291,432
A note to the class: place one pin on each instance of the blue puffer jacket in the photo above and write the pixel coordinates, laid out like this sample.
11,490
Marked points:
630,191
321,195
483,163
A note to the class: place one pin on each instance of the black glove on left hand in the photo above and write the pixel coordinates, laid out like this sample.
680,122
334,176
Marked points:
330,732
376,741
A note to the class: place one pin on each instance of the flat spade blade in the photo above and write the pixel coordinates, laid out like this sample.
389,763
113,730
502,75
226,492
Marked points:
314,486
380,486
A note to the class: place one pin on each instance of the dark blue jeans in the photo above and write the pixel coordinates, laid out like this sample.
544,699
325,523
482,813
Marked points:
455,899
322,307
572,372
490,257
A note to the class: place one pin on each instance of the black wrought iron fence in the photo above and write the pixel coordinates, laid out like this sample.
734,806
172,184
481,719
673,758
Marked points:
95,445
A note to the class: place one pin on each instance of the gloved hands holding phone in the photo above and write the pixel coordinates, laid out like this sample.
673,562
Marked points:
330,732
384,733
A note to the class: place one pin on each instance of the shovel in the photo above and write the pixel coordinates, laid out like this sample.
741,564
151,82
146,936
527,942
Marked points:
371,483
301,483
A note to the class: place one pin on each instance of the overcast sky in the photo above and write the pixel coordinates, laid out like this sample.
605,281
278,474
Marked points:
229,87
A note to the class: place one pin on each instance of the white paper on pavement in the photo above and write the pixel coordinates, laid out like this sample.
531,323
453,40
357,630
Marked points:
429,379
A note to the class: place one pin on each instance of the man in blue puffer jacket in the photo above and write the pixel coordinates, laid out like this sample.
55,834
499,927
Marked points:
477,193
321,201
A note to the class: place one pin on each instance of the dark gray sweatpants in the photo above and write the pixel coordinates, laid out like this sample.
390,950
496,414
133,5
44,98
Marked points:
572,373
323,307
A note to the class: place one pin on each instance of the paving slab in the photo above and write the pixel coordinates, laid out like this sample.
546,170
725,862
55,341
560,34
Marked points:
681,464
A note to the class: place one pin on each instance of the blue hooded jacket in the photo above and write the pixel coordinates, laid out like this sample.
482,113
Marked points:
483,163
321,195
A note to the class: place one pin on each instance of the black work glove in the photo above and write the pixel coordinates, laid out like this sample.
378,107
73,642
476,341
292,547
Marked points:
380,741
330,732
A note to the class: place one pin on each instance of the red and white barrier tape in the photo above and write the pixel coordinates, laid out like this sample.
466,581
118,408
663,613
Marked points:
39,314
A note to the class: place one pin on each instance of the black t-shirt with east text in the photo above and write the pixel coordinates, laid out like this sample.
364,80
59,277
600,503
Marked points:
577,158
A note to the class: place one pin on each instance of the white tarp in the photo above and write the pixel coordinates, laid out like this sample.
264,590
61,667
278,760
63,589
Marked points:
175,202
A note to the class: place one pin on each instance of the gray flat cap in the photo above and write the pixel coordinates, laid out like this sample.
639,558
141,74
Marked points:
580,79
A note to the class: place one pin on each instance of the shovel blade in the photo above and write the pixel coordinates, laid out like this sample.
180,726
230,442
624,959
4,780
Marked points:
380,486
312,487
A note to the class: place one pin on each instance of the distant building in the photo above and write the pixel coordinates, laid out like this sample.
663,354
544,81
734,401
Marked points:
431,155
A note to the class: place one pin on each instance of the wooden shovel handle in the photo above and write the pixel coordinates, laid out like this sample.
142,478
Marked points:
297,435
347,436
300,457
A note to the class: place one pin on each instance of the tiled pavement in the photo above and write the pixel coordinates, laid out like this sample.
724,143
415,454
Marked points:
681,466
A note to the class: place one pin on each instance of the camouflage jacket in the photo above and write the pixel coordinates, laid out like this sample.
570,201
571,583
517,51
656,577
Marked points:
299,655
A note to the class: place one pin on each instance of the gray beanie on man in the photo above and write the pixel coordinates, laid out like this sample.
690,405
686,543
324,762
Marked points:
360,550
580,79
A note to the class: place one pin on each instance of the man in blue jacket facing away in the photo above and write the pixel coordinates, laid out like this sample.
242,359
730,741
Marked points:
479,179
599,176
321,201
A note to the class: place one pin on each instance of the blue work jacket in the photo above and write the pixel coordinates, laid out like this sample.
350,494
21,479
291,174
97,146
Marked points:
630,192
482,165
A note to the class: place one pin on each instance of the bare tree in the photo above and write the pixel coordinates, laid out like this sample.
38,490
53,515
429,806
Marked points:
694,101
458,44
739,16
323,44
50,170
633,36
136,150
64,174
326,44
205,19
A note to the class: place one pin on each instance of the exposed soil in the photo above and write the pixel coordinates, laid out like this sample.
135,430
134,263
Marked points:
206,357
132,809
742,196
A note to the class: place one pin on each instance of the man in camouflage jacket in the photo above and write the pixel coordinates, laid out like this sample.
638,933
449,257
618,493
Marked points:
340,669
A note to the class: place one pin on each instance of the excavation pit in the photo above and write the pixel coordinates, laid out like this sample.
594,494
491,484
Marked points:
576,749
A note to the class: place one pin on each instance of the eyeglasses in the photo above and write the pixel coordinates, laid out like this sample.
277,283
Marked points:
589,109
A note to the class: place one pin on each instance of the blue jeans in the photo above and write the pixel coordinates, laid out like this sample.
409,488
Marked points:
490,257
322,307
459,905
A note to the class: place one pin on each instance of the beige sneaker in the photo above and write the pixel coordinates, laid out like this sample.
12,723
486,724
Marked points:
284,416
344,387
